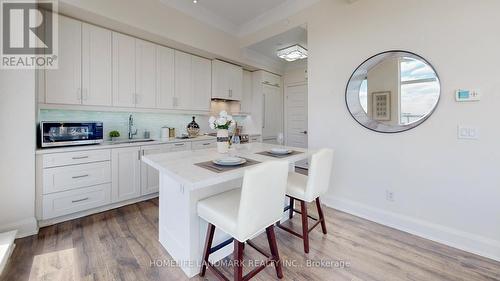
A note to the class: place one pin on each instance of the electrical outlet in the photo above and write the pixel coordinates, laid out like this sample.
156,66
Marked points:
467,133
389,196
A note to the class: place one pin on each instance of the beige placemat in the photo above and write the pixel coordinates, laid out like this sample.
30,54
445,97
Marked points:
209,165
267,153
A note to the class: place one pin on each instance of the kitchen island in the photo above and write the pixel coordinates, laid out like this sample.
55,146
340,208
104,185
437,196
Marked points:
183,184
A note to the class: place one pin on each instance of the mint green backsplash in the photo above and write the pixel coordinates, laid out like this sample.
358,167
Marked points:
118,121
151,122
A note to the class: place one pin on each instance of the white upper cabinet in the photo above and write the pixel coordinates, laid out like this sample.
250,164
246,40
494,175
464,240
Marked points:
183,83
192,82
145,75
165,78
64,85
246,100
124,65
99,67
227,80
202,83
96,66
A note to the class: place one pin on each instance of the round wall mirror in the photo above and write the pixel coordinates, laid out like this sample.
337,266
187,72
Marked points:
393,92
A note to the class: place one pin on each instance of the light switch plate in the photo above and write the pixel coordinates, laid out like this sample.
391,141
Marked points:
467,133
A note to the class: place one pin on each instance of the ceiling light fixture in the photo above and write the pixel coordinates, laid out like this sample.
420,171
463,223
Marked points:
293,53
195,1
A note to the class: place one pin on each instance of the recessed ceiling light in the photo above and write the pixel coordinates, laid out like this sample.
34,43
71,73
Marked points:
195,1
293,53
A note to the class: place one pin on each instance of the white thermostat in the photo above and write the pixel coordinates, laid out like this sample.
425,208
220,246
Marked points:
467,95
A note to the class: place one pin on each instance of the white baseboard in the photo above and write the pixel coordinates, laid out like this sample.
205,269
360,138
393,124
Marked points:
468,242
26,227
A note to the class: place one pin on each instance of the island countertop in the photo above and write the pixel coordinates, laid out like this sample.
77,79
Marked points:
181,165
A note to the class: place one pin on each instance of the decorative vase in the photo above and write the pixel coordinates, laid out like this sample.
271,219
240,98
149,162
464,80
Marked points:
193,128
222,141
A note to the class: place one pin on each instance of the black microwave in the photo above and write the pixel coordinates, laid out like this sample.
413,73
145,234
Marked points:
55,134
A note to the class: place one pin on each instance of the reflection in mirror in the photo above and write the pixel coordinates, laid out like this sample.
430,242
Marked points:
393,92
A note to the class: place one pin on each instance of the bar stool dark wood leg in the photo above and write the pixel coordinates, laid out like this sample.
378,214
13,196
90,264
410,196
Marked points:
292,205
321,216
208,246
271,238
238,258
305,226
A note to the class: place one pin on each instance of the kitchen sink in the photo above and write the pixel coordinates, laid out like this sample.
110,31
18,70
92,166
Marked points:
132,141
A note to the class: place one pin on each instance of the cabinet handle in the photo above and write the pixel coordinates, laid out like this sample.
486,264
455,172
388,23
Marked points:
80,200
206,143
79,157
263,111
139,155
179,144
79,177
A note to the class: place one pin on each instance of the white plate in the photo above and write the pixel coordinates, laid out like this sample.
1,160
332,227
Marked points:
280,151
229,161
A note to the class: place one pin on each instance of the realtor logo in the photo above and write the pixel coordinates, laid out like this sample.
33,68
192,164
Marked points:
29,34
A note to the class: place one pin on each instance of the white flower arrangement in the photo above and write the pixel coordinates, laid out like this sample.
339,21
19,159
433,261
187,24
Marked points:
223,122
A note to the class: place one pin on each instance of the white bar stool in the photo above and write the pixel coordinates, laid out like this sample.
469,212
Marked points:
307,189
243,213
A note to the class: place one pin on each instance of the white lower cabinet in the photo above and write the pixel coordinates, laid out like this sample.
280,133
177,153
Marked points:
68,202
198,145
126,173
149,176
76,176
73,182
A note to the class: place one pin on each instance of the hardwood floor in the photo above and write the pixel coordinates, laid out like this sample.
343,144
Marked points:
122,244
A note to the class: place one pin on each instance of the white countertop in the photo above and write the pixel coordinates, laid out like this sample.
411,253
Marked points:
110,145
181,165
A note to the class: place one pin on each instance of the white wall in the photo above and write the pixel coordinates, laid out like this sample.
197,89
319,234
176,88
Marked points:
445,189
17,143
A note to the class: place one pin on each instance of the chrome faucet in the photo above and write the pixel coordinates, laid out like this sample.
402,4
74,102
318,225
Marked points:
131,133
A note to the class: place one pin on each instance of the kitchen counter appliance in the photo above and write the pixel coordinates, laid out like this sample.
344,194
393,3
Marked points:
61,133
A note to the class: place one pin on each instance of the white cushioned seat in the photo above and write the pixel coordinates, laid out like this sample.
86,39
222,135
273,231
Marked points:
296,187
245,212
308,188
222,210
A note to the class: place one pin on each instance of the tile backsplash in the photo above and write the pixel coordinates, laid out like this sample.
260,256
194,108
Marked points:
118,121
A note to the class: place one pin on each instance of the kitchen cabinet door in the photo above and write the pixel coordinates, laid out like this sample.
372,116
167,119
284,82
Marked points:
183,81
235,74
64,85
126,173
227,81
124,65
150,178
96,66
201,75
220,80
166,77
272,112
246,99
145,74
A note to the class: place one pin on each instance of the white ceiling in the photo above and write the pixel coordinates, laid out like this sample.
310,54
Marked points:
239,12
268,47
239,17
